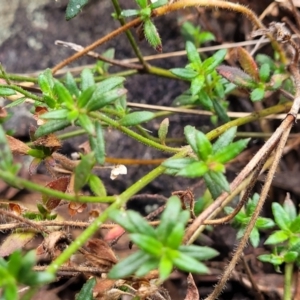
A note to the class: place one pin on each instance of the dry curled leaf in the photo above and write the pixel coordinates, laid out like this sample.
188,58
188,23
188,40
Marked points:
192,290
49,141
15,241
100,253
16,146
75,208
60,184
54,244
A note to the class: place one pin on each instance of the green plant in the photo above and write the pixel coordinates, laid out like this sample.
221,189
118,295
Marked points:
243,217
195,35
207,87
18,270
160,248
96,102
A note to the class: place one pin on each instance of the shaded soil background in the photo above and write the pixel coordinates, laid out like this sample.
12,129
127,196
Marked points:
29,30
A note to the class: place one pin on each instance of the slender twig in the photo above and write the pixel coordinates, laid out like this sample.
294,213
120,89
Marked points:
245,196
23,92
129,35
23,220
257,292
115,62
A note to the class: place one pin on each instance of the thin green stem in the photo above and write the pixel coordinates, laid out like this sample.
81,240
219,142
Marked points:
129,35
252,117
120,201
19,78
22,91
288,279
133,134
23,183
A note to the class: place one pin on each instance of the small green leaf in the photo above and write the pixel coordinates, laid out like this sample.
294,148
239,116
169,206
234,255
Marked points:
204,147
136,118
264,72
140,224
129,13
163,130
158,3
190,135
55,114
178,163
14,263
254,237
281,217
189,264
142,3
15,102
98,144
168,218
122,219
86,292
290,256
51,126
4,91
83,171
295,225
197,84
264,223
87,124
290,208
218,57
74,7
194,170
198,252
277,237
257,94
71,85
231,151
187,74
192,54
271,258
85,97
100,100
97,186
165,267
216,183
149,265
175,238
148,244
46,82
220,111
152,36
129,265
87,79
224,140
63,95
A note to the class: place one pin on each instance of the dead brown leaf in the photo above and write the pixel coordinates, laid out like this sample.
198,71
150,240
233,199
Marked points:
192,290
60,184
100,253
17,146
15,241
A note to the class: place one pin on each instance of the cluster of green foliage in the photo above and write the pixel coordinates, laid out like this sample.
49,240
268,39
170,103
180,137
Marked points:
94,105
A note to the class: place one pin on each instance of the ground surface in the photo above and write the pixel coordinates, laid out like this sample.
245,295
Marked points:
27,45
